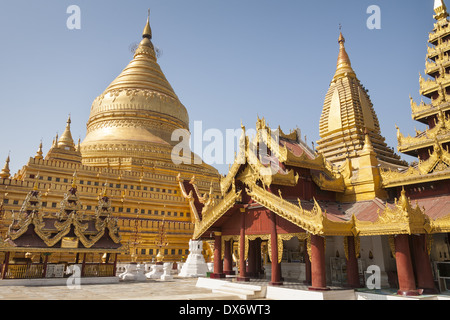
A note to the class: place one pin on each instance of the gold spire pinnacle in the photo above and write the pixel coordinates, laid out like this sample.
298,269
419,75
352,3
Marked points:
74,180
66,139
368,147
440,9
5,173
39,153
36,182
344,65
147,30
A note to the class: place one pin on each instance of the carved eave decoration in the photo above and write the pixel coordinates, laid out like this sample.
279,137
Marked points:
314,221
240,159
436,167
440,131
328,183
441,225
265,135
189,197
423,110
211,214
26,219
400,218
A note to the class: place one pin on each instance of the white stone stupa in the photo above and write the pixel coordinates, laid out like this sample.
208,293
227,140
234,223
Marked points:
195,265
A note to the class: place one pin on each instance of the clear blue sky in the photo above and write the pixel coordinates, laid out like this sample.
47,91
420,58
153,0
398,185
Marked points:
227,60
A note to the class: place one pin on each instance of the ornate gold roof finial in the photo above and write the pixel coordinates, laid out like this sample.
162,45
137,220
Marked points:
74,180
403,201
147,30
440,9
39,153
66,139
368,147
344,65
5,173
36,182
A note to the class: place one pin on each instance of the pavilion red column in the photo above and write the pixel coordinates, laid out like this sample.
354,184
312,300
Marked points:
258,256
218,266
276,267
422,264
5,265
251,268
44,268
83,264
307,264
352,264
242,264
115,264
228,259
318,270
405,273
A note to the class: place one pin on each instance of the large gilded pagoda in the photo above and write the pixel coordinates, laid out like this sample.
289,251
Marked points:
127,148
324,216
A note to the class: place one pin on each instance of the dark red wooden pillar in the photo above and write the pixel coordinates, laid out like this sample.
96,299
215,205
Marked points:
242,263
318,269
405,273
228,259
115,264
258,256
422,264
44,268
352,264
5,265
276,267
251,268
218,266
307,264
83,264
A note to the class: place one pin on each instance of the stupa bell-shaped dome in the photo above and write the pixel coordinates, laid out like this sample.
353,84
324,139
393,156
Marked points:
136,113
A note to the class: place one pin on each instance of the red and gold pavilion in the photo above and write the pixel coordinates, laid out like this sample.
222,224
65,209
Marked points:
351,203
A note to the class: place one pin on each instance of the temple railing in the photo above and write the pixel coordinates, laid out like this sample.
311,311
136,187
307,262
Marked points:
25,271
36,270
98,270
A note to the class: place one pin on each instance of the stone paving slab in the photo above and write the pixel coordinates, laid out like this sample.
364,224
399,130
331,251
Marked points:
177,289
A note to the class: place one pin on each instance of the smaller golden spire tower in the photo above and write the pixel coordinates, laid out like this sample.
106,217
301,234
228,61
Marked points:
5,173
39,154
347,115
63,148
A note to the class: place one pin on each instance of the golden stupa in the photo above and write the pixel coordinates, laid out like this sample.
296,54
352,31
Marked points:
126,155
346,116
132,121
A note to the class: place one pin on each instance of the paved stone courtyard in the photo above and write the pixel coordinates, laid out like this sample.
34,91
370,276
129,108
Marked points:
177,289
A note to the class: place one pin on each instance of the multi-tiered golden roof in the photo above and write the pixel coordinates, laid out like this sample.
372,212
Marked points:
430,146
435,88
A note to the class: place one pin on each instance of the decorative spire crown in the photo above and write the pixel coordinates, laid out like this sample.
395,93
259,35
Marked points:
5,173
66,139
440,9
344,65
147,30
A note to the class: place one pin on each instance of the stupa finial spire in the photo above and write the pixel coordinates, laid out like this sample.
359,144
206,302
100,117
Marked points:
344,65
147,30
